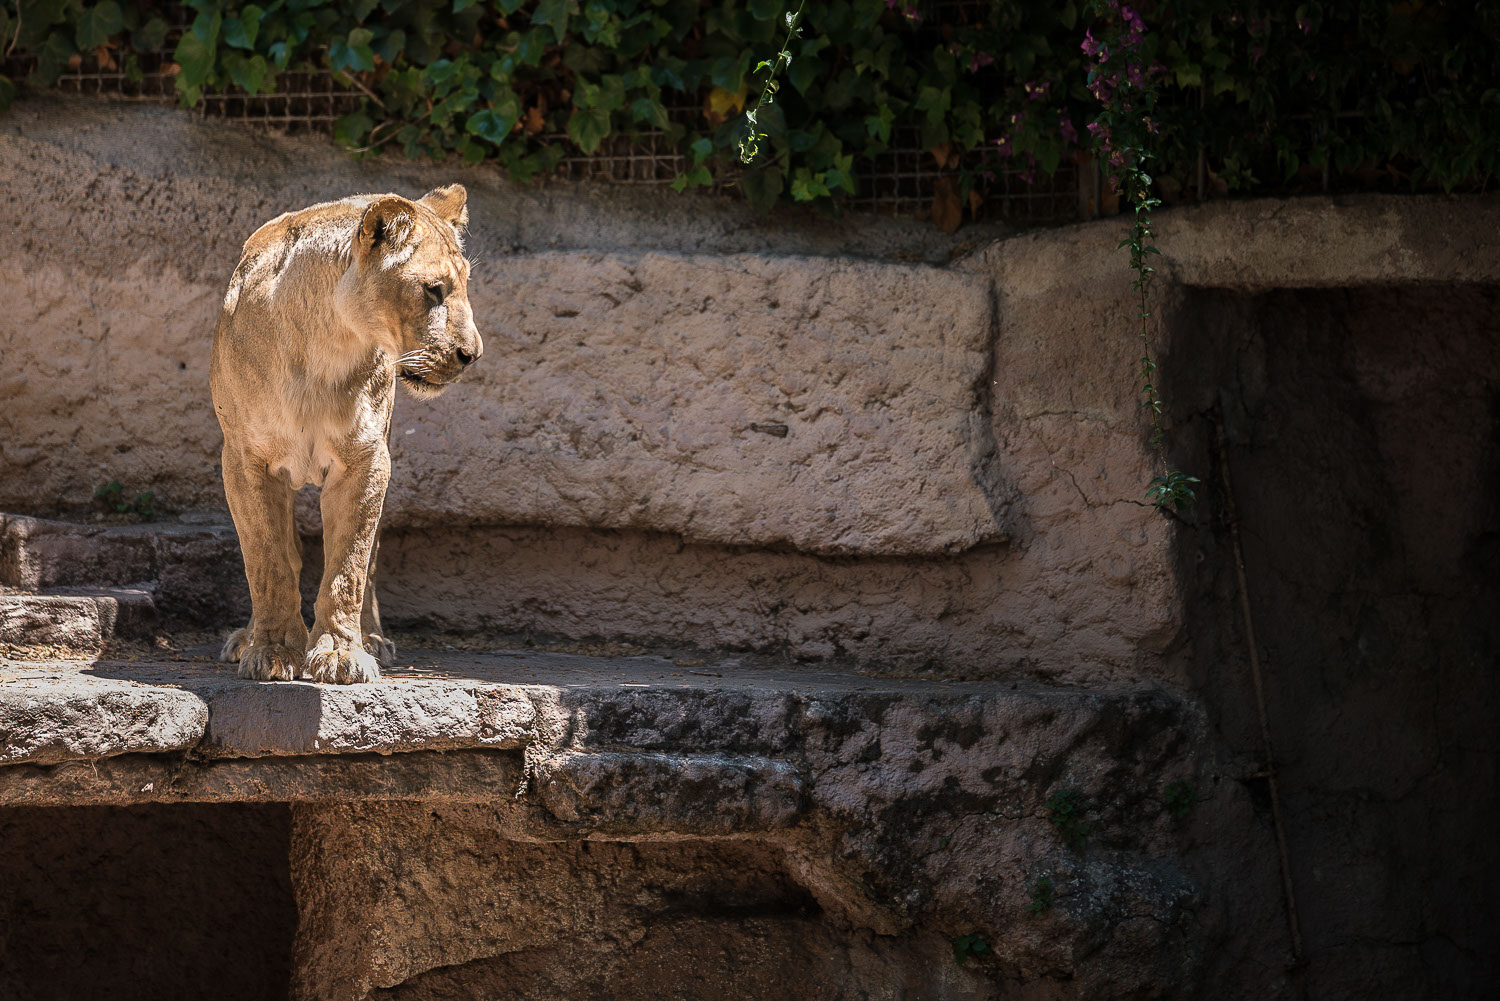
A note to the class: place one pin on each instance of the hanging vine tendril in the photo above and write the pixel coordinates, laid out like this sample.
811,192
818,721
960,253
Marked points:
749,145
1122,132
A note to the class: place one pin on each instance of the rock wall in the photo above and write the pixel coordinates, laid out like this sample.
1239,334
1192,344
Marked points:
958,494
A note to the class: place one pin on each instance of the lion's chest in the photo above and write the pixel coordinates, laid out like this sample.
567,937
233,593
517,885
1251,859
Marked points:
314,443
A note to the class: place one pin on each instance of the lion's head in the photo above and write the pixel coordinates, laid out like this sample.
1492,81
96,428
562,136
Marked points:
407,287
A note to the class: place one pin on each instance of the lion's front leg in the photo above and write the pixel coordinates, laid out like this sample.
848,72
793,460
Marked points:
272,646
351,502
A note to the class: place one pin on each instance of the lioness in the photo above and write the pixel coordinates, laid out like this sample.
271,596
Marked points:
329,308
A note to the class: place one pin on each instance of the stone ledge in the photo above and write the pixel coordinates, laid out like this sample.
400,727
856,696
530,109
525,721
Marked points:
896,804
45,720
501,700
80,621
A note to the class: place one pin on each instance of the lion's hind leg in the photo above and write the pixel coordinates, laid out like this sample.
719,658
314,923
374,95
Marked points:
236,643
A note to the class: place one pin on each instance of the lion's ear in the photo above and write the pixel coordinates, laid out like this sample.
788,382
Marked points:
386,224
450,202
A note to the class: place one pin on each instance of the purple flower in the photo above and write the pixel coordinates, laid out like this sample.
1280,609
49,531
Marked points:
1002,147
981,59
1305,25
1067,131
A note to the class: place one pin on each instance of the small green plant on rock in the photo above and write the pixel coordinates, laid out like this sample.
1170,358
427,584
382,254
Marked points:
112,497
1041,896
969,945
1180,797
1065,813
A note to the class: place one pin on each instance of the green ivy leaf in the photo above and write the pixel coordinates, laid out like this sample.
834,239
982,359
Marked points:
51,60
649,110
805,71
806,185
935,101
698,177
488,125
37,18
763,187
150,36
588,127
248,73
196,55
240,32
554,14
460,6
352,53
97,23
352,130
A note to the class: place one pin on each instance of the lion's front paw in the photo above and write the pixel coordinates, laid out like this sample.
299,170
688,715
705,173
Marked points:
269,662
340,663
235,644
381,648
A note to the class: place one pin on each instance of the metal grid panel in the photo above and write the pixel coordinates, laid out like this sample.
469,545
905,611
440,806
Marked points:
899,181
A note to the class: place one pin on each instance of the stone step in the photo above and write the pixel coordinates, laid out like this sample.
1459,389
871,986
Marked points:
192,567
77,620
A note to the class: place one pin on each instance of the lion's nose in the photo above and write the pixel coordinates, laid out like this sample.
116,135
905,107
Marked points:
469,355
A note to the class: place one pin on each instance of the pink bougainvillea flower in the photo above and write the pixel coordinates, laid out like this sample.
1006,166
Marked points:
1067,131
980,60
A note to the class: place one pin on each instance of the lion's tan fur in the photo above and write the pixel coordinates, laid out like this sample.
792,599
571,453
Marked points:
328,309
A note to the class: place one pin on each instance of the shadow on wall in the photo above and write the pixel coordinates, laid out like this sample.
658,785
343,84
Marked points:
144,903
1363,431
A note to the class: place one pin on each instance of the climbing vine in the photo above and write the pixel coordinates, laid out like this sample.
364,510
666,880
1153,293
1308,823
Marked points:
749,144
1253,96
1120,79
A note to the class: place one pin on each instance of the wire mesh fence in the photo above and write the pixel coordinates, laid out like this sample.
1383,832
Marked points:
902,180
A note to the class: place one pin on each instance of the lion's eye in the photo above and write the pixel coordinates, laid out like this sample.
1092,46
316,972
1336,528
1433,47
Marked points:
435,293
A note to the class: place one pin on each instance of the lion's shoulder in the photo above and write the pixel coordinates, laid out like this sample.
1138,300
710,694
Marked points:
329,223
